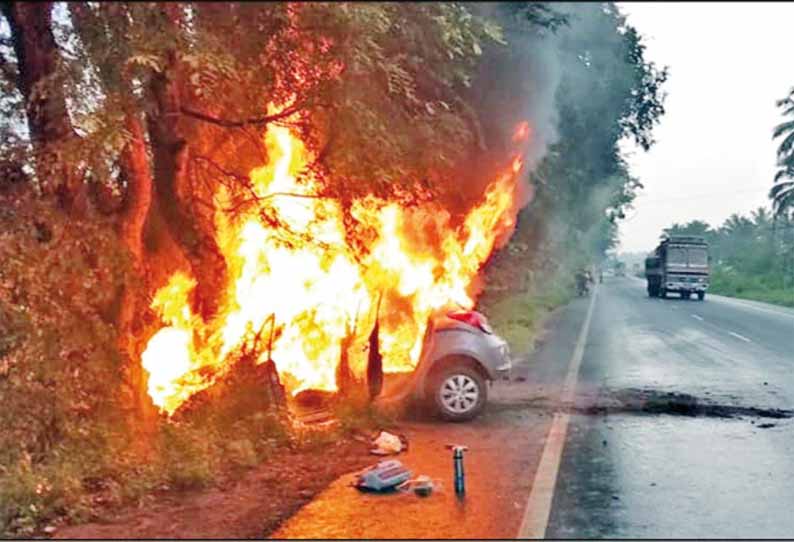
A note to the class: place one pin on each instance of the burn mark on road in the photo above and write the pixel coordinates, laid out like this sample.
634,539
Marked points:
647,402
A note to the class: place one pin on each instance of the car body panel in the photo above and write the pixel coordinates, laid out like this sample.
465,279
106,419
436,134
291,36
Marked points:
447,338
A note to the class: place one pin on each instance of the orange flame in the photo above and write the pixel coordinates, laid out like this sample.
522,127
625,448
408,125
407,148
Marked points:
316,284
522,132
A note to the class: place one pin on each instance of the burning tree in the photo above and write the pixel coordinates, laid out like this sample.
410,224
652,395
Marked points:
287,159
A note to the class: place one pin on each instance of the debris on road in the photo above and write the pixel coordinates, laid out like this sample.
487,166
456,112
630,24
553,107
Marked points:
384,476
457,465
422,485
387,444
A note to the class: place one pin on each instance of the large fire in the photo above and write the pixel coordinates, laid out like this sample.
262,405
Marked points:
304,273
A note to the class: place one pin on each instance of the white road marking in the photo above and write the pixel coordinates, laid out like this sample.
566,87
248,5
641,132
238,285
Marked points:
538,508
740,337
696,317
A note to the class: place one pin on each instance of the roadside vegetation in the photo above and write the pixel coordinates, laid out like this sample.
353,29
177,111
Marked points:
519,317
119,121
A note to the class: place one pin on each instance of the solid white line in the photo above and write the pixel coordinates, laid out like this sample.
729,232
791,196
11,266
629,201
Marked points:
740,337
538,508
696,317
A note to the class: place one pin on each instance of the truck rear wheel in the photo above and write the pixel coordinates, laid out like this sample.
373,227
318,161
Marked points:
701,296
663,293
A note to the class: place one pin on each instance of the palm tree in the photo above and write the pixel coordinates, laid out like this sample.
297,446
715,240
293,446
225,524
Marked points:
782,192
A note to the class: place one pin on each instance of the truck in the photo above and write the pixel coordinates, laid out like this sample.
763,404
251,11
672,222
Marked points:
678,264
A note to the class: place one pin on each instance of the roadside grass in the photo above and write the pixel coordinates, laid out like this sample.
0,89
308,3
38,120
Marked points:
81,481
518,315
766,288
77,468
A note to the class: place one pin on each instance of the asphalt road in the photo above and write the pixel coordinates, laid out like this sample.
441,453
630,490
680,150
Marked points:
633,418
678,427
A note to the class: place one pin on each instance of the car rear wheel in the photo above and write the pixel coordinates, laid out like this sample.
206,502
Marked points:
459,393
701,296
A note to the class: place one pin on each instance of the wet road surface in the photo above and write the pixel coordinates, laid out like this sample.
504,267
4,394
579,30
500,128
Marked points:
677,425
630,473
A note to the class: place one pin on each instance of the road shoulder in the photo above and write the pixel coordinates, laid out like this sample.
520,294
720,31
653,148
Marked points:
505,444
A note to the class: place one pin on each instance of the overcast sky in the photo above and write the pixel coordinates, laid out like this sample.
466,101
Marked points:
714,154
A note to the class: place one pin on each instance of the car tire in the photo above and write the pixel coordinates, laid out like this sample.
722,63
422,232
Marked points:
701,296
459,393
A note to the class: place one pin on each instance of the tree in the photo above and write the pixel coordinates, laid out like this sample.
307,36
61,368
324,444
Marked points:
782,193
695,227
169,101
163,104
38,81
607,92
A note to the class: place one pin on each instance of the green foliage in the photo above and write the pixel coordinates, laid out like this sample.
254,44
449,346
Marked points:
188,455
380,80
58,287
32,495
60,375
607,92
782,193
399,99
360,415
518,315
767,287
66,441
541,14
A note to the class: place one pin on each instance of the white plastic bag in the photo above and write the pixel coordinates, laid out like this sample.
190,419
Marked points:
387,444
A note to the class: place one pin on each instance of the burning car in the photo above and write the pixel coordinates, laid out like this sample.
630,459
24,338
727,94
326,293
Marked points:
306,277
460,355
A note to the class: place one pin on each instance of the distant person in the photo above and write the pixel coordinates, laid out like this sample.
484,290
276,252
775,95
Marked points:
582,281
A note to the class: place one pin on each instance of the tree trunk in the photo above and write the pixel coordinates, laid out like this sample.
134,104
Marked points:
171,154
45,102
135,164
138,202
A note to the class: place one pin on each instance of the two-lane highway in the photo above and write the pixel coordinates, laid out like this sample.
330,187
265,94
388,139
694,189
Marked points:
631,473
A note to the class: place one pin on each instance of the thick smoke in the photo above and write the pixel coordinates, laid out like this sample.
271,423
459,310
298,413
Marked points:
516,82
